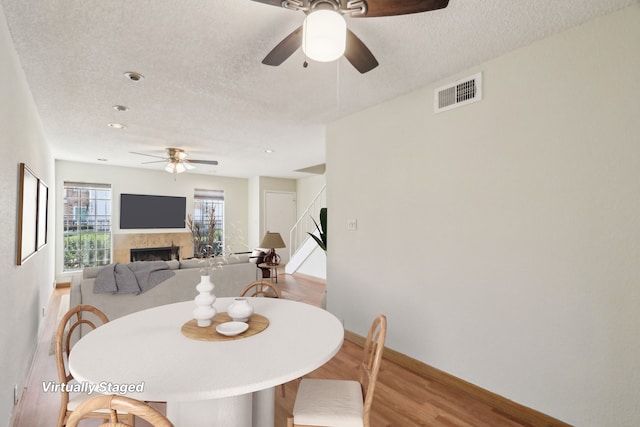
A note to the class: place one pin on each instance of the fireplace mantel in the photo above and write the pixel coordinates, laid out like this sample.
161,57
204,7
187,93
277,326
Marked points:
123,243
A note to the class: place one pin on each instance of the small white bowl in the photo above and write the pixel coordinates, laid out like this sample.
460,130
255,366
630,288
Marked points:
231,329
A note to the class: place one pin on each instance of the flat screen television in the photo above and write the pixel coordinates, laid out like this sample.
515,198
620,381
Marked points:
146,211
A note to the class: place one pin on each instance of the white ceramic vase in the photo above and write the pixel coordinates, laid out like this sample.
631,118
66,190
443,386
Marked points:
240,310
204,311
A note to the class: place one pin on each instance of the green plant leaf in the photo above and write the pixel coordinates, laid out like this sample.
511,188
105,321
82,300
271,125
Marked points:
322,230
320,243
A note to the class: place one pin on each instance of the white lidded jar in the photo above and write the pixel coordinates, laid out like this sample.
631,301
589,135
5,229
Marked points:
240,310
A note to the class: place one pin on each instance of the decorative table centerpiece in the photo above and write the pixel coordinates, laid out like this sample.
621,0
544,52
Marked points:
204,311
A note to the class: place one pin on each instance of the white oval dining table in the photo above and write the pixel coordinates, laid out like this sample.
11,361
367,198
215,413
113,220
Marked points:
205,383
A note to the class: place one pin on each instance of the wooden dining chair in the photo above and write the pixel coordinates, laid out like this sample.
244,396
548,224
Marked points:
115,405
337,403
71,323
261,288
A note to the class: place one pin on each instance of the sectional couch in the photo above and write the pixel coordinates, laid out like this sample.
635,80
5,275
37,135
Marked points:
229,279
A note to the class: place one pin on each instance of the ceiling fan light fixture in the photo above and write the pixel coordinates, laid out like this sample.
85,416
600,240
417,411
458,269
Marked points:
324,35
175,167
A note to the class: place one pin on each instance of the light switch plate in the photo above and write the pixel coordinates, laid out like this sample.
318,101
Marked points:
352,224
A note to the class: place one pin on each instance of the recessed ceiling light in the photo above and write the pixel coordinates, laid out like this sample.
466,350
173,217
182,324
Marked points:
269,151
133,76
116,125
120,108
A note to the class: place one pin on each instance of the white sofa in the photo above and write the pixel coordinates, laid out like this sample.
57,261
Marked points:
229,280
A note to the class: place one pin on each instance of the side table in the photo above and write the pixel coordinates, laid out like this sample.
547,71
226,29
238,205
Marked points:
273,270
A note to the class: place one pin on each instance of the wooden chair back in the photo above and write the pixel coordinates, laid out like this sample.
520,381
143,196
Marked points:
113,404
371,359
69,324
263,288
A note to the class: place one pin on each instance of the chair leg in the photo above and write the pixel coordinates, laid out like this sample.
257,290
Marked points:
61,418
290,421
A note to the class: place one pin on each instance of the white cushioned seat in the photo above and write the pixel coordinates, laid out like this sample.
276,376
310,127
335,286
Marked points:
329,403
342,403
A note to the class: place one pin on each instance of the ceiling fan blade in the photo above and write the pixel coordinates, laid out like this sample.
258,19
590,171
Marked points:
204,162
150,155
401,7
358,54
155,161
284,49
271,2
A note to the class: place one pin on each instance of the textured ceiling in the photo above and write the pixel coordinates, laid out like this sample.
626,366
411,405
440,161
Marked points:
205,89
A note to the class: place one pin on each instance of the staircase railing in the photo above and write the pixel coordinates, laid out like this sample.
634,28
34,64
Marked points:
304,225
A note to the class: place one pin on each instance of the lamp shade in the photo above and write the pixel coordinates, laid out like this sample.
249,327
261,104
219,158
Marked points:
324,35
272,240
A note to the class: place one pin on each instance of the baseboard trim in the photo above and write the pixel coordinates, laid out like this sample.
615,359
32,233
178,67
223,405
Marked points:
508,407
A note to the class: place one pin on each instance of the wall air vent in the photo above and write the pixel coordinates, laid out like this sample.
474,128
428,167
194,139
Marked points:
460,93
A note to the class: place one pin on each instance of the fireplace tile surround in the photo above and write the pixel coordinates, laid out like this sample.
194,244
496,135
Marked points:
123,243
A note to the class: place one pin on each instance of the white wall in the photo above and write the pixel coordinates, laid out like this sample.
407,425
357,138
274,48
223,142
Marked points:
501,238
143,181
315,264
25,289
255,212
308,188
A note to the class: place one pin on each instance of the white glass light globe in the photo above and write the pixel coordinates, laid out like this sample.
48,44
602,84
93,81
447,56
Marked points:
324,35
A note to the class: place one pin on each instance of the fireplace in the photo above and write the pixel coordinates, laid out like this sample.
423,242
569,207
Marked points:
124,242
167,253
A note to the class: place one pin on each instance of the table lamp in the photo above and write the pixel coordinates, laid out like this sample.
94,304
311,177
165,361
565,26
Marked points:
272,241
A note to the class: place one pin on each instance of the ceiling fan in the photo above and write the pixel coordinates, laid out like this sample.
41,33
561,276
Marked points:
176,160
356,52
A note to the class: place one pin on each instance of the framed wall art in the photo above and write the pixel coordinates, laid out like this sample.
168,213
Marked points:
27,214
43,213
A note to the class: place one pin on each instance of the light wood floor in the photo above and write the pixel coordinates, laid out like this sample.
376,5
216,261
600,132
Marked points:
402,399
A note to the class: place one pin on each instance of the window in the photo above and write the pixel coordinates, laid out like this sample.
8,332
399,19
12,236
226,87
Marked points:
87,225
208,205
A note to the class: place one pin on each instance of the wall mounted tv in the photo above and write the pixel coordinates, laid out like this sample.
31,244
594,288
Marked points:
145,211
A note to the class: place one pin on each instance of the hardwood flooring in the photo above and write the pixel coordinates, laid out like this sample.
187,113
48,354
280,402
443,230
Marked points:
402,398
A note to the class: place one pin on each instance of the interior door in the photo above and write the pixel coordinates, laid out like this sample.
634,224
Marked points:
280,217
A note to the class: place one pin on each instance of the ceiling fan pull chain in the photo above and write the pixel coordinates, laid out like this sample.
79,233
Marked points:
305,64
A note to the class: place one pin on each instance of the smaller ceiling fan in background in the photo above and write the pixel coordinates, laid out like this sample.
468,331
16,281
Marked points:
324,35
176,160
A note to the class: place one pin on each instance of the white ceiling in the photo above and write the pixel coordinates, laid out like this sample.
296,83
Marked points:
205,89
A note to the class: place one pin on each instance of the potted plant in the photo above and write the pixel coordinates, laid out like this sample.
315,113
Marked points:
321,238
204,238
